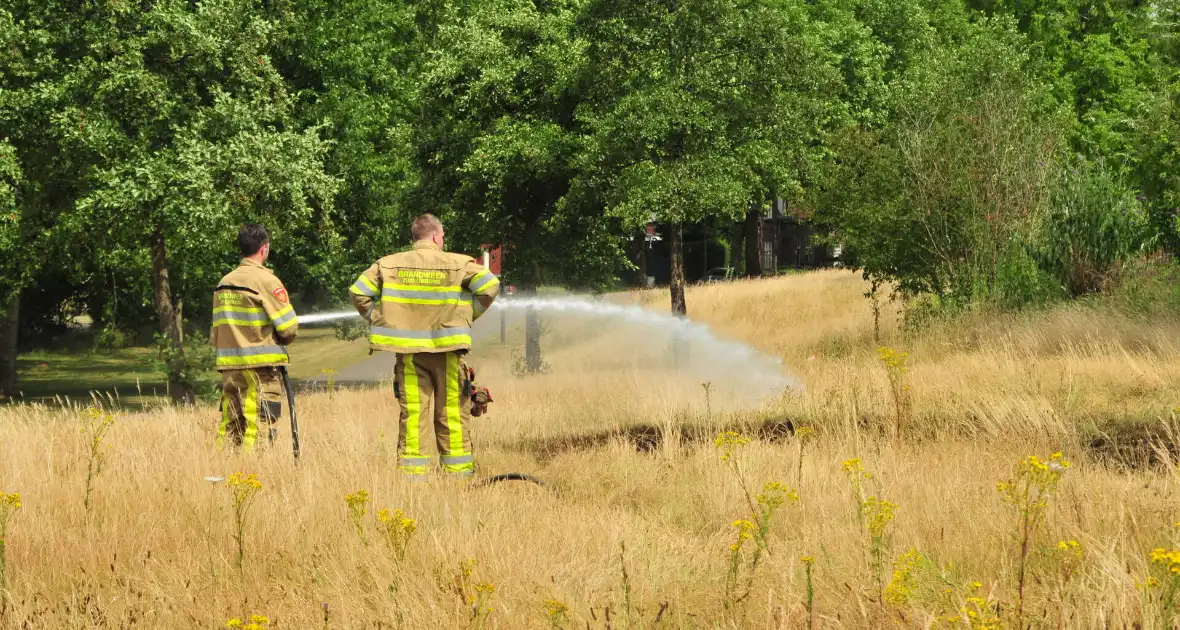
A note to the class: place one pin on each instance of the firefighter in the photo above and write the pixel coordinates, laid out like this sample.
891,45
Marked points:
420,304
253,321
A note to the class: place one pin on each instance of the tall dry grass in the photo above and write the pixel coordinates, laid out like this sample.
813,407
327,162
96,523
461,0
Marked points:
625,535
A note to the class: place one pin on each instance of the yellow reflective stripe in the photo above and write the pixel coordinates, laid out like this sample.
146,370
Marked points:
226,321
404,342
284,319
485,286
250,410
363,279
405,300
423,287
454,418
482,281
238,309
413,411
226,415
254,359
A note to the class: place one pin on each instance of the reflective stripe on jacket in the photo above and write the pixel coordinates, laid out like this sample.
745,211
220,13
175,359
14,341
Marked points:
253,320
423,300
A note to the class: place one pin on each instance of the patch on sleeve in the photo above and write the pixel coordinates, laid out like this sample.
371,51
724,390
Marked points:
280,294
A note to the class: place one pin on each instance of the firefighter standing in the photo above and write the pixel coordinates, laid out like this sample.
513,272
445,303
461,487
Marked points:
420,304
253,321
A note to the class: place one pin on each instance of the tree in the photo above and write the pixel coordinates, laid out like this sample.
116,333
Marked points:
497,146
698,107
355,67
941,198
1113,63
177,128
9,232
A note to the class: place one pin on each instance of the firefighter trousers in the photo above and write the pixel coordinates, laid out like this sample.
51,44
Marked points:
250,398
434,385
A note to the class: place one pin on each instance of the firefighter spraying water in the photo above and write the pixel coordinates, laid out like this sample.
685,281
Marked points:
253,322
420,305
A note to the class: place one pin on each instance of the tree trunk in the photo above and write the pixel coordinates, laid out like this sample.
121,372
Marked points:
9,334
736,242
753,235
643,260
532,336
168,318
676,288
635,253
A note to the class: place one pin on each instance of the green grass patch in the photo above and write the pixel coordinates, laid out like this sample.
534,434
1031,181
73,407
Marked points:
129,378
126,376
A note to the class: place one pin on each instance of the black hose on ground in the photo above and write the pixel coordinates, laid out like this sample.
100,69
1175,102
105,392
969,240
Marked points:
507,477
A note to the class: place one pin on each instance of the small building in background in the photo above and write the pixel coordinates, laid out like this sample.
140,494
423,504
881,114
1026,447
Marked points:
786,240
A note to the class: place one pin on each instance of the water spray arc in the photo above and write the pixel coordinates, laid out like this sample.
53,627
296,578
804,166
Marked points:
712,358
762,374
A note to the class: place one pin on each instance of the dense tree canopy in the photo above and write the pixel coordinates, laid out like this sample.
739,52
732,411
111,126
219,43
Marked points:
1009,151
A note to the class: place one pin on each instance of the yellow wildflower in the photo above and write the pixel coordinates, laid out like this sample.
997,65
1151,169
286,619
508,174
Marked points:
877,514
774,494
903,582
556,608
1071,547
357,501
893,359
728,443
245,481
397,529
745,532
10,501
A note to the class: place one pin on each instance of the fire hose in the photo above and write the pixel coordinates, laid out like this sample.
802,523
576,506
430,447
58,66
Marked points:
291,410
480,397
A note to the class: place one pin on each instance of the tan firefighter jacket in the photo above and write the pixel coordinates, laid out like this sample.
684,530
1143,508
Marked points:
253,320
423,300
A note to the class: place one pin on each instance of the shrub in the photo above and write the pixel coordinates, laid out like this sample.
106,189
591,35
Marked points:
1093,224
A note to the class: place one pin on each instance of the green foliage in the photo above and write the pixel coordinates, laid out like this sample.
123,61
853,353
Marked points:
926,138
1093,224
110,338
1149,287
192,366
354,67
497,142
718,105
939,201
349,329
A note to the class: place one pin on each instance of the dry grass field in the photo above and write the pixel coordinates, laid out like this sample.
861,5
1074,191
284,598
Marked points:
888,513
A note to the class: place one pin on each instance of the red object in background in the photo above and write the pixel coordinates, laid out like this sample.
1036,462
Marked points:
494,257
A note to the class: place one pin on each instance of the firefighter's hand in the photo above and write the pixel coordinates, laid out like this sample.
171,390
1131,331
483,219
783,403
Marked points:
479,401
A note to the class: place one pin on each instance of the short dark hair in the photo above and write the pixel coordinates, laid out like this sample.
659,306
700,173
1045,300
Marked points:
251,238
425,226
